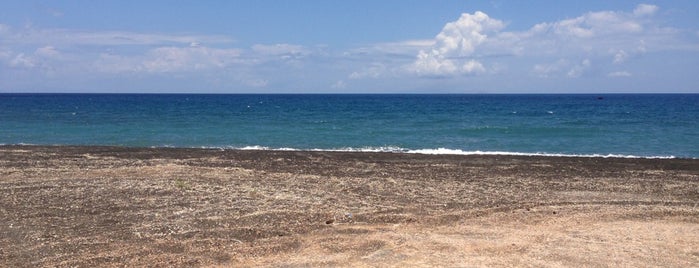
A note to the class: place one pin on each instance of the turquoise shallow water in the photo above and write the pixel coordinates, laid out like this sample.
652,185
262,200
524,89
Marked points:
601,125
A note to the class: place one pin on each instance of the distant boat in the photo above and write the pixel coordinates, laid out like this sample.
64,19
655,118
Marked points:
600,97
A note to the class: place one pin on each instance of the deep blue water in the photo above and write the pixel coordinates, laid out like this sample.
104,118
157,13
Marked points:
637,125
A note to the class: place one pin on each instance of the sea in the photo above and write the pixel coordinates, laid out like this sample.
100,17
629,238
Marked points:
606,125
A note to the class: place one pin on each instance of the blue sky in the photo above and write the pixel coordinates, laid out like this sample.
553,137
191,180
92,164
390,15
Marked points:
349,46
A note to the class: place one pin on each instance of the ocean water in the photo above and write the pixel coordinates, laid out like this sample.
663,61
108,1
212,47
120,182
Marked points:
664,125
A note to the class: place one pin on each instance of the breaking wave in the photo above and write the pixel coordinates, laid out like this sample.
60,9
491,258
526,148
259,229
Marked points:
446,151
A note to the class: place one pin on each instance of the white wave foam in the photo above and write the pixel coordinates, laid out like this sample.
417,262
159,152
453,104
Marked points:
382,149
446,151
461,152
396,149
257,148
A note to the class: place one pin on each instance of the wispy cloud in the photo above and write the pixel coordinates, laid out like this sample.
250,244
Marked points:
69,37
192,58
400,49
619,74
375,70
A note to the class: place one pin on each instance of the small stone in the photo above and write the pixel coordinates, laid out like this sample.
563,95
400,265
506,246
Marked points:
329,221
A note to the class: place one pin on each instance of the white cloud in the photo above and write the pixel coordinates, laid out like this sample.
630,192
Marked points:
279,49
255,82
68,37
571,28
620,56
111,63
579,69
452,53
549,69
462,36
590,25
113,51
472,66
641,47
292,55
168,59
644,10
562,67
22,61
409,47
375,70
431,63
4,29
41,57
475,41
5,54
599,33
339,85
619,74
467,45
47,52
472,45
174,59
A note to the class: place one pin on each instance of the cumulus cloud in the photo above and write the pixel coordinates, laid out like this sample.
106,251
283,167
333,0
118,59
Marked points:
599,43
462,36
475,41
452,53
465,46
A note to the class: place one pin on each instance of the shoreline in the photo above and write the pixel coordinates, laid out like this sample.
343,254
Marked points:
127,206
393,150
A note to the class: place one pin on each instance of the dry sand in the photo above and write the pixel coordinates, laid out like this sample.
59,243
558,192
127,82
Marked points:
112,206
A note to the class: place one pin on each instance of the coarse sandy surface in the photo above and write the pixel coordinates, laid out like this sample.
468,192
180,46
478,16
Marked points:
128,207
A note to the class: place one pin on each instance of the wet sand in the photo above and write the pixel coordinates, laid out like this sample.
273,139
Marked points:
115,206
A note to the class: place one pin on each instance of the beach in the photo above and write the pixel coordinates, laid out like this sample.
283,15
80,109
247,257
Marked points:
82,206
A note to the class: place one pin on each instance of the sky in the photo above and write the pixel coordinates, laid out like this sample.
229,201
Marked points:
315,46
